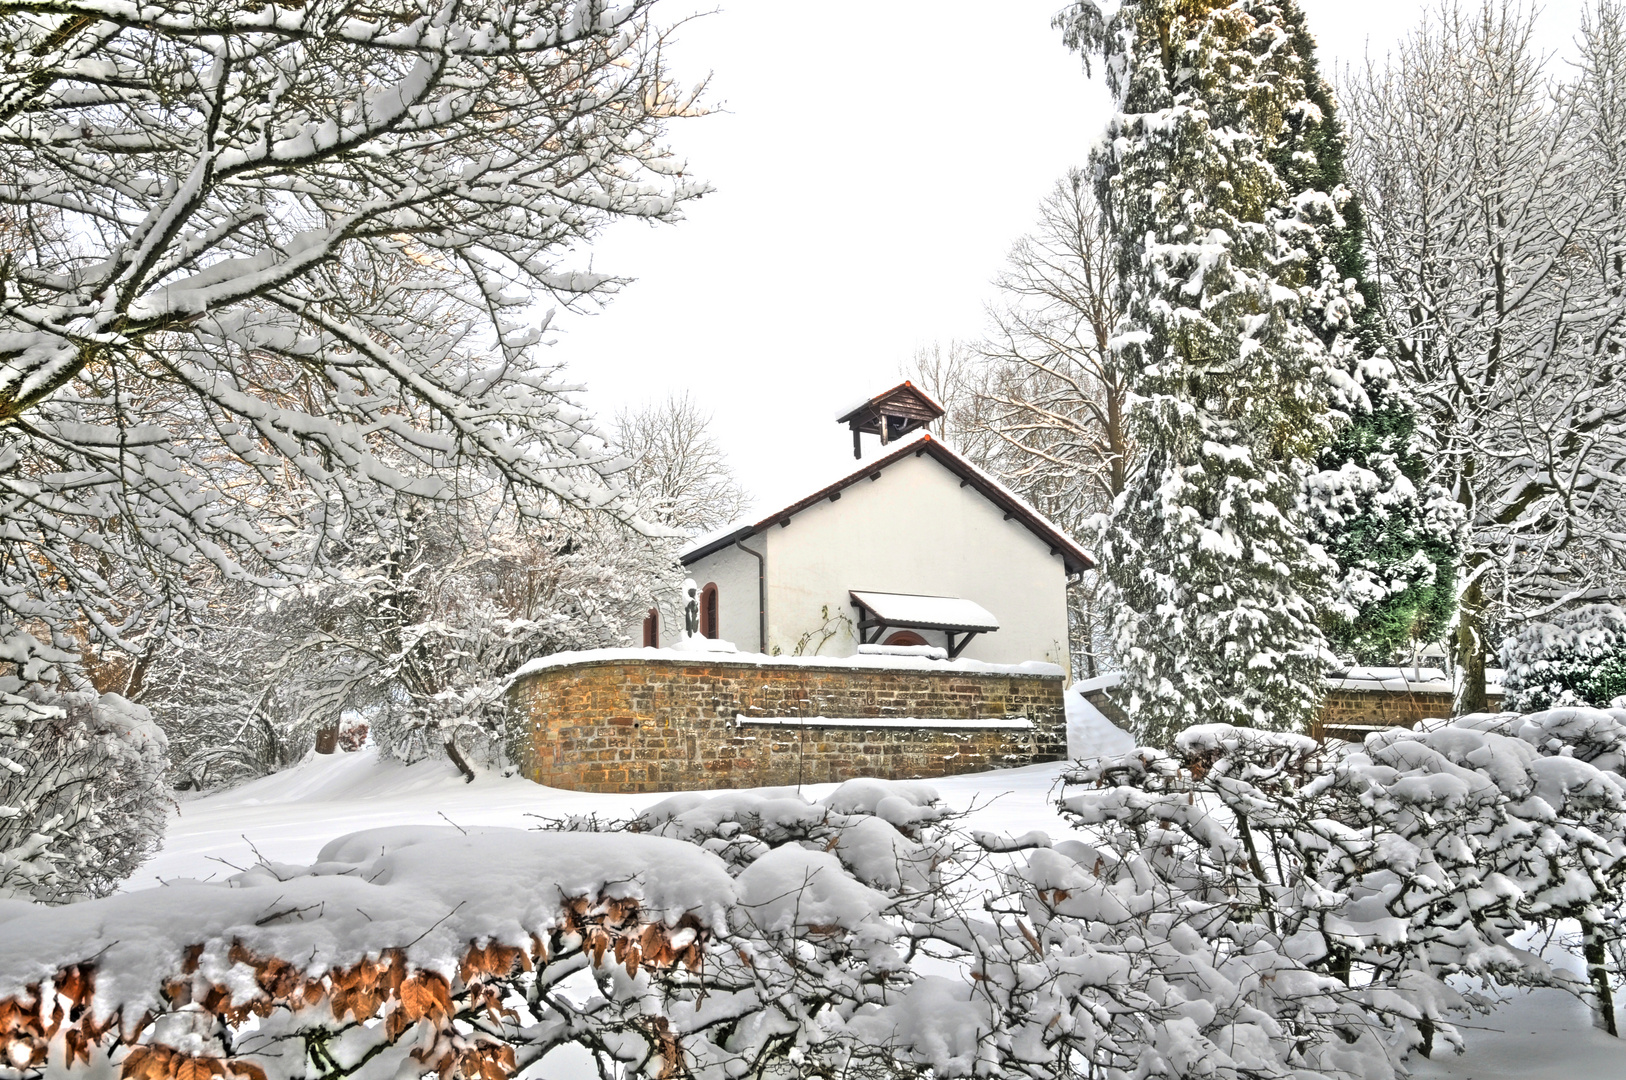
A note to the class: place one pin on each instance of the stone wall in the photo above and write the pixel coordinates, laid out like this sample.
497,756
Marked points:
657,724
1346,713
1350,714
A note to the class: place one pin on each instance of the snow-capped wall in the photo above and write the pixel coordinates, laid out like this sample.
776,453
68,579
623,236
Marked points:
629,720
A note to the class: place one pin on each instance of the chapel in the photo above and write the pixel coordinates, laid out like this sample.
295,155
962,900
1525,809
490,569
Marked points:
907,620
914,549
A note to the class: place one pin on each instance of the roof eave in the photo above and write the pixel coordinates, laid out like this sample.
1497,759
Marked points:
689,558
1074,560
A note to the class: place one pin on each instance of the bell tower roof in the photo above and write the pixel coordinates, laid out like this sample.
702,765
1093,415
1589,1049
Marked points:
891,414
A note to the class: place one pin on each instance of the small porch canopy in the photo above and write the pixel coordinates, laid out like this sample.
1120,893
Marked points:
879,612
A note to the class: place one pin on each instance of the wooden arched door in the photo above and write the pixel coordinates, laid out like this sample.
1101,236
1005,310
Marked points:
708,611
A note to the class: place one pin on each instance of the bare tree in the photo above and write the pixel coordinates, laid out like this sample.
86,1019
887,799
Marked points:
1059,398
1492,196
959,378
679,473
1040,402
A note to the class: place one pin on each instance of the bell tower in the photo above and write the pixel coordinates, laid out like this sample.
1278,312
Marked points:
890,415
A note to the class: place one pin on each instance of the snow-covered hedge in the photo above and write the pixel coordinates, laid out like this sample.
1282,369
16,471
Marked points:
1576,658
82,791
698,950
1387,868
1248,905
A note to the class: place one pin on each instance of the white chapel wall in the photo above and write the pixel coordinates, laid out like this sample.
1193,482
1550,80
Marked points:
735,575
915,530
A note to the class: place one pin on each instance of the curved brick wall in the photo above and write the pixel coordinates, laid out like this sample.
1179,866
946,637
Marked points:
659,724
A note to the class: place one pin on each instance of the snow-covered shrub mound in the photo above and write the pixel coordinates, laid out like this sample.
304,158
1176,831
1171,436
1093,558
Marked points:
1247,905
477,952
1386,868
886,833
82,792
374,957
1576,658
1046,958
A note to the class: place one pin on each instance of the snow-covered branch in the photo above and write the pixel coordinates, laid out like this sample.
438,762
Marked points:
267,266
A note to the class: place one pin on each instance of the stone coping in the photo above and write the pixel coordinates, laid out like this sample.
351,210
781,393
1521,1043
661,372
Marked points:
1011,723
1032,669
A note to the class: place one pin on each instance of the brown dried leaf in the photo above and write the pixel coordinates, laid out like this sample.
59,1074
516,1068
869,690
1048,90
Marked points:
246,1070
426,994
198,1068
148,1063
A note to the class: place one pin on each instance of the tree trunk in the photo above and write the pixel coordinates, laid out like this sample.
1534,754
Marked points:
1596,955
459,760
1266,904
1471,651
327,738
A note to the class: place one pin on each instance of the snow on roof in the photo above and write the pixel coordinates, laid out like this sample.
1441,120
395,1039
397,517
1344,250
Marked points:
717,537
928,612
920,443
866,661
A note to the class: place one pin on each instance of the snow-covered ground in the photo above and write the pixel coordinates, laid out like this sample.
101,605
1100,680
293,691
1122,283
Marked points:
288,817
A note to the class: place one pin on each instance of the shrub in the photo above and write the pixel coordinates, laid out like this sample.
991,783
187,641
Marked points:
1576,658
82,792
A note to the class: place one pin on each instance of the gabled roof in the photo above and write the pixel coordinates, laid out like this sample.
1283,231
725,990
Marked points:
919,612
904,399
1015,508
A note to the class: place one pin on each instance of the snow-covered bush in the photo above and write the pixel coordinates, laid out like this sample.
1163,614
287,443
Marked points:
1249,906
1575,658
82,791
483,950
747,934
1389,867
426,613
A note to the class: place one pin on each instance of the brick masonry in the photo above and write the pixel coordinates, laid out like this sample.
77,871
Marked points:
1349,714
1345,714
637,725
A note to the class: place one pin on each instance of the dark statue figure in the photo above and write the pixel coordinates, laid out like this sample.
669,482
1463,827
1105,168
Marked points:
691,608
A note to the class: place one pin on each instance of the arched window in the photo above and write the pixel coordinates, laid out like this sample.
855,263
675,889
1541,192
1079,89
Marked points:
708,611
905,637
652,629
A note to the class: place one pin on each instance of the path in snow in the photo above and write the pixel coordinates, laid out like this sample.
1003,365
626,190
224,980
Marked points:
289,816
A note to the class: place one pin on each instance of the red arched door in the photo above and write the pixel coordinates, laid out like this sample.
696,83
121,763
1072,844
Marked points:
708,611
905,637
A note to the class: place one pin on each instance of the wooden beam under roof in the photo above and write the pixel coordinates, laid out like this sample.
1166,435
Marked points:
890,415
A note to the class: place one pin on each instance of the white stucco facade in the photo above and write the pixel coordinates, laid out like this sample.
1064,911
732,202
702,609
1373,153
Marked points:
915,528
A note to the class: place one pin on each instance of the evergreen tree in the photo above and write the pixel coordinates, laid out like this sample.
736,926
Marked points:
1219,264
1395,536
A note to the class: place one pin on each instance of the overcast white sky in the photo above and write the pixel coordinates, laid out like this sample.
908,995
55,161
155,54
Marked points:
873,161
